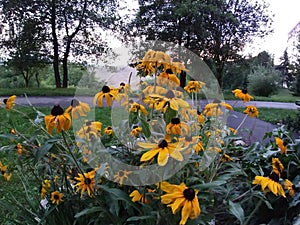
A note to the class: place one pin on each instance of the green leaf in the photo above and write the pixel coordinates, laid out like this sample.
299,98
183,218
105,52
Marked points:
237,210
145,127
44,149
138,218
89,211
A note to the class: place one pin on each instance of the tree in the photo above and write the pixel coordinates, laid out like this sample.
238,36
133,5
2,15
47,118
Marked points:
71,28
26,59
285,69
216,30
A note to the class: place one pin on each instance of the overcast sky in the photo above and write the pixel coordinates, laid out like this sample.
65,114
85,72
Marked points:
286,16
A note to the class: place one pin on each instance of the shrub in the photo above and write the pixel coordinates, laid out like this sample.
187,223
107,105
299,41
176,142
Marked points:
263,81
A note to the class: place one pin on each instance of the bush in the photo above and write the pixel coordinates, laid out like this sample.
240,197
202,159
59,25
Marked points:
263,81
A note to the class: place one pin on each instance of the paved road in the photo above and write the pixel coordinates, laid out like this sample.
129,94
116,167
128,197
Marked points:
66,100
252,129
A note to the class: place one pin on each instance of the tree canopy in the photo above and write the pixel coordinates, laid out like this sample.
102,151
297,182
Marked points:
216,30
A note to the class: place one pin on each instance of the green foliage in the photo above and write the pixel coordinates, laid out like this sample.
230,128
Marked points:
263,81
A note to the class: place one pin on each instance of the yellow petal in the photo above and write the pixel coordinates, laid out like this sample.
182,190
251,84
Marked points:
186,211
147,145
163,157
149,154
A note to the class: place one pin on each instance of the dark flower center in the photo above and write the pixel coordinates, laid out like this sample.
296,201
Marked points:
285,143
74,103
169,71
175,120
135,127
163,144
105,89
89,170
122,84
274,176
199,113
109,128
4,101
216,101
170,94
56,197
88,123
244,91
57,110
121,173
88,130
189,194
87,180
188,138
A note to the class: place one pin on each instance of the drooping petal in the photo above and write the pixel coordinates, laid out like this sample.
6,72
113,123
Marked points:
163,157
149,154
186,211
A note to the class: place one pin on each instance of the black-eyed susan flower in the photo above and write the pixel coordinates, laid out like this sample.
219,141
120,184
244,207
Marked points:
178,67
136,130
194,86
90,130
121,175
181,196
216,108
163,149
242,94
86,183
7,176
177,127
137,108
20,149
78,108
104,93
58,119
277,166
56,197
123,88
288,185
251,111
108,130
198,147
201,118
45,188
281,144
9,102
271,183
154,90
226,158
136,196
167,78
170,101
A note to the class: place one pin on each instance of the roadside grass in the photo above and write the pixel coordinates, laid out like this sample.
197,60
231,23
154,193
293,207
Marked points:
272,115
71,91
282,95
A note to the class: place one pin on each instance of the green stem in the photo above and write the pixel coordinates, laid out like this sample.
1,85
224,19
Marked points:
253,212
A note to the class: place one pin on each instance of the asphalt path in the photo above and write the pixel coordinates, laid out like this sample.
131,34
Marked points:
251,130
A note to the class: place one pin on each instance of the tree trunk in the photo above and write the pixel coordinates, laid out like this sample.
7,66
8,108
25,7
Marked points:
65,64
55,46
37,79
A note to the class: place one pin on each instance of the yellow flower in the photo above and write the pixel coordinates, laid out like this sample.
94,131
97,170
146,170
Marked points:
171,101
86,182
226,158
7,176
201,118
181,196
121,175
78,108
10,102
90,130
164,151
167,78
56,197
277,166
136,108
136,130
177,127
124,88
106,93
251,111
216,108
158,90
242,94
58,119
194,86
108,130
198,147
20,149
178,67
281,144
271,182
138,197
45,187
290,187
